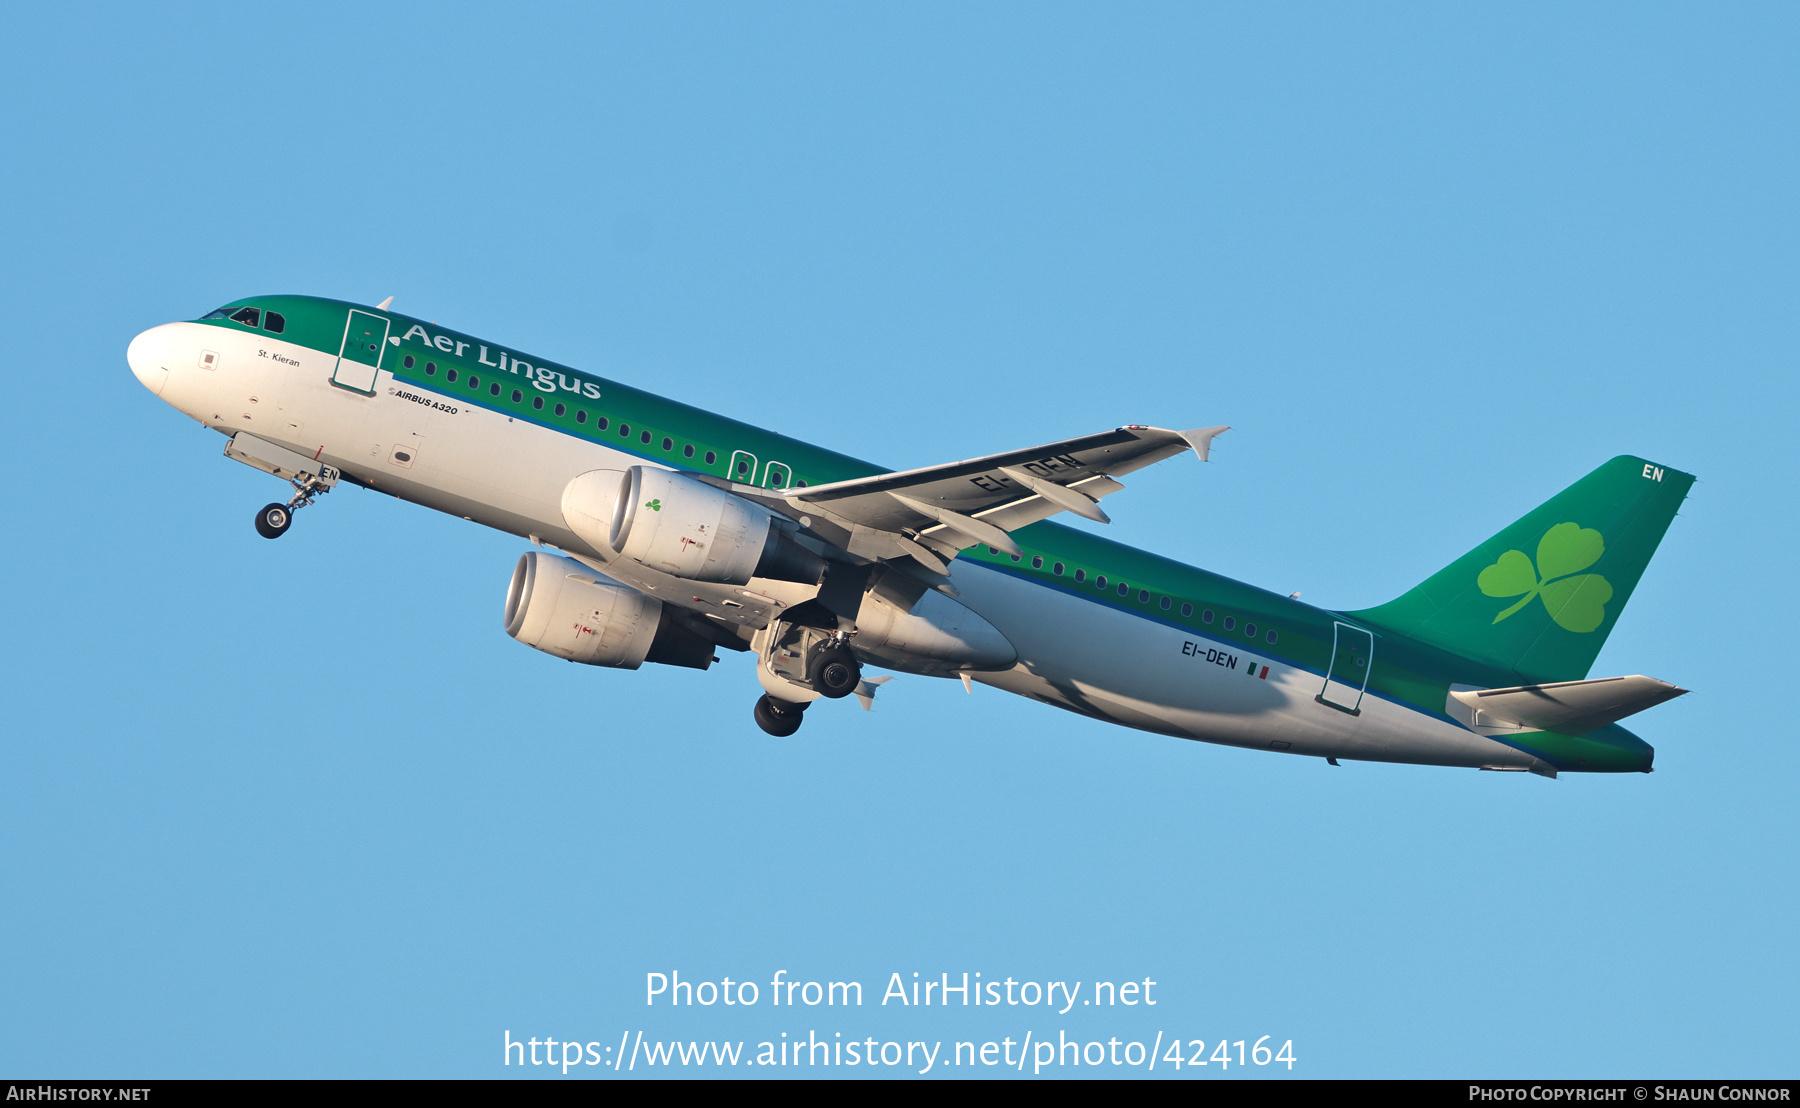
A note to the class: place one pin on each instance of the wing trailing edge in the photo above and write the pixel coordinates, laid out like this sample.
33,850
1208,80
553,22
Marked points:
930,514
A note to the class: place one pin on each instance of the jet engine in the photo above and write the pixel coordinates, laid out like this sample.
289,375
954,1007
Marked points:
560,606
685,528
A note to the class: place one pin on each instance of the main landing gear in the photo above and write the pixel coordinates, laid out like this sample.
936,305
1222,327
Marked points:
780,718
812,662
834,672
273,520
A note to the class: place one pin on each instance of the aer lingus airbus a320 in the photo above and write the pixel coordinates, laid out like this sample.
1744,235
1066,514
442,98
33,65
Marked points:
679,532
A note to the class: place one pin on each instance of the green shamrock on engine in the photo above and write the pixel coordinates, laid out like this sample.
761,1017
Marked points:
1576,603
653,505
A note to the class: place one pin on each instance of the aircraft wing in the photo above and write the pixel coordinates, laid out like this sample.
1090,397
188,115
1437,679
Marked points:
929,514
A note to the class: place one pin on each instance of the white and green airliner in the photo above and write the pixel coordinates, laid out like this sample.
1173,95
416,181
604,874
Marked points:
665,533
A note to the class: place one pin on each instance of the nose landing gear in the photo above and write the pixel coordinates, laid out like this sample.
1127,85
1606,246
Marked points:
273,520
309,476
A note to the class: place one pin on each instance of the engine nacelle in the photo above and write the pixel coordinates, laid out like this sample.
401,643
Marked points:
687,529
683,527
562,607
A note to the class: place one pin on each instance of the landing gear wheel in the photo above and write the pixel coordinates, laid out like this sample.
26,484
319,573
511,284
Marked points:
273,521
778,717
835,673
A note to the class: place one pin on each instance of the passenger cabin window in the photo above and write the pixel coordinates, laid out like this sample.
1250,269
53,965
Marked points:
274,322
249,317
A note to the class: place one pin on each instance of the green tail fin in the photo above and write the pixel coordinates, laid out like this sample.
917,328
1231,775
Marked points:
1540,597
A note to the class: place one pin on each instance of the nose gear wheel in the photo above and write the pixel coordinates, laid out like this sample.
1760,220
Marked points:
273,521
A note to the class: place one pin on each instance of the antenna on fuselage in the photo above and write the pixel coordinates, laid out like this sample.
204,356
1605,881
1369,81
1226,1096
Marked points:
383,306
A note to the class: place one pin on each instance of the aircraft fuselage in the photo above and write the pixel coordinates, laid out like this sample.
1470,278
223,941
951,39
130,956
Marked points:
481,431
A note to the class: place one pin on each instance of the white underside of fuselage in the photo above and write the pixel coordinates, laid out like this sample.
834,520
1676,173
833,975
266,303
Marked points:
509,474
1141,672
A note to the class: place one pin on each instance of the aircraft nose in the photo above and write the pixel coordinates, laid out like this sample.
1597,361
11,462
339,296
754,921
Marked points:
148,357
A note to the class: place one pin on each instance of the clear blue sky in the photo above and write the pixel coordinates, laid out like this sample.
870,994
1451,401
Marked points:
302,809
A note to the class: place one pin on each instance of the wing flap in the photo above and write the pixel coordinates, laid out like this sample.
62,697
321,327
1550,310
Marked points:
1069,454
950,507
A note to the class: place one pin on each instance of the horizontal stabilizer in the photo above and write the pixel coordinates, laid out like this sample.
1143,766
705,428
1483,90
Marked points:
1566,707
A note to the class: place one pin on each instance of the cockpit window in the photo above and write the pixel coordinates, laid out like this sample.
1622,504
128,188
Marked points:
247,316
217,313
273,322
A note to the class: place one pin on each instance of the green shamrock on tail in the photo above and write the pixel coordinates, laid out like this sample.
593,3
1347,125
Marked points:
654,505
1576,603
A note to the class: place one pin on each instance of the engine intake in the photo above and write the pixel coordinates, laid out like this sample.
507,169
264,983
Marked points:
561,607
685,528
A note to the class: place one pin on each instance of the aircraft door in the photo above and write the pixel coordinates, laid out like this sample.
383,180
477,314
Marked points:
743,467
776,475
1352,657
359,359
